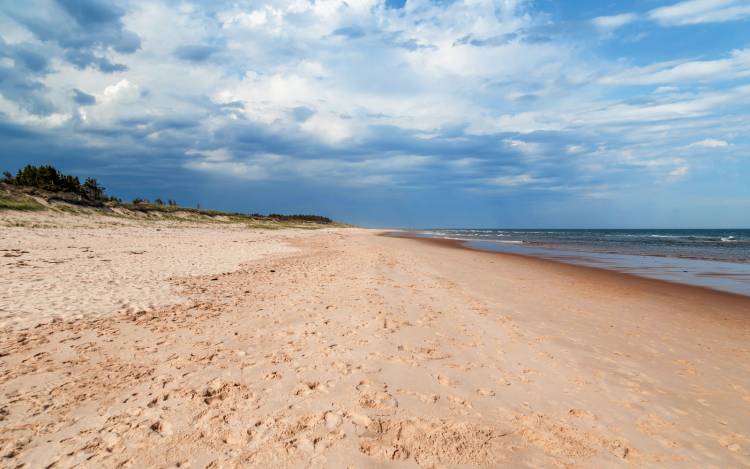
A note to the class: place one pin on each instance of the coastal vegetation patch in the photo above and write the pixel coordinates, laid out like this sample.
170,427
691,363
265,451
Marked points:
46,188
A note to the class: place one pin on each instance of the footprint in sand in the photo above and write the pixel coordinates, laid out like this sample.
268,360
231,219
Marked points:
426,398
376,397
446,381
307,388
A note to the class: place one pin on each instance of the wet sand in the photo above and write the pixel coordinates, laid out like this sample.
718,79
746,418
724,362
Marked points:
346,348
732,277
621,278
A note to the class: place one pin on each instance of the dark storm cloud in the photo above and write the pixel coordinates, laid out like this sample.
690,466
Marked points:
19,82
85,30
84,99
84,58
27,93
26,56
91,12
9,130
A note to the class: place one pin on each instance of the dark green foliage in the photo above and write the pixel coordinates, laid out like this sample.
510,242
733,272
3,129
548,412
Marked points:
47,178
159,202
92,190
171,203
139,201
50,179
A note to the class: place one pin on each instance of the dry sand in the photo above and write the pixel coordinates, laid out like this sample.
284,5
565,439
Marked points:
348,349
64,265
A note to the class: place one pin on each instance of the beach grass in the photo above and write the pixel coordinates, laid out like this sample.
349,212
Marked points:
19,202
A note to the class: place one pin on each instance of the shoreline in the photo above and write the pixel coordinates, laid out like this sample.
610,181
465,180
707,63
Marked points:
618,275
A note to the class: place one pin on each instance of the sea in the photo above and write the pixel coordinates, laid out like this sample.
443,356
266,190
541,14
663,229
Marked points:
717,259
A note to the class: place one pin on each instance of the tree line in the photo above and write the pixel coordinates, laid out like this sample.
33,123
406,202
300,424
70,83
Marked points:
48,178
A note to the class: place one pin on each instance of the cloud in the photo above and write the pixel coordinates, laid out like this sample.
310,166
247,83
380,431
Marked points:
91,12
523,146
512,181
679,172
23,66
684,13
574,149
26,56
610,23
84,99
736,65
25,92
700,11
123,91
351,32
87,31
195,53
710,143
272,166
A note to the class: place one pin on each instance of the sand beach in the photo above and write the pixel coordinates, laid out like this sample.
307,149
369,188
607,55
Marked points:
172,344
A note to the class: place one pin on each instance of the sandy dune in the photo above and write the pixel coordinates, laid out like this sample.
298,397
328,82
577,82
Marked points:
348,349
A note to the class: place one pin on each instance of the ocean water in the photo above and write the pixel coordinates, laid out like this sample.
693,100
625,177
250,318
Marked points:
718,259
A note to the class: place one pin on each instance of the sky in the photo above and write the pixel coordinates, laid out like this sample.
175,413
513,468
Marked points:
395,113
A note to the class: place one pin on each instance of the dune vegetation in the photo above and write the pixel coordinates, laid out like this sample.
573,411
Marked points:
46,188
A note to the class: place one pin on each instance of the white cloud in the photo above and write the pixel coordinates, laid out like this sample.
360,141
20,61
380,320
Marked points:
249,171
700,11
512,181
329,128
710,143
574,149
679,172
123,91
737,65
609,23
523,146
